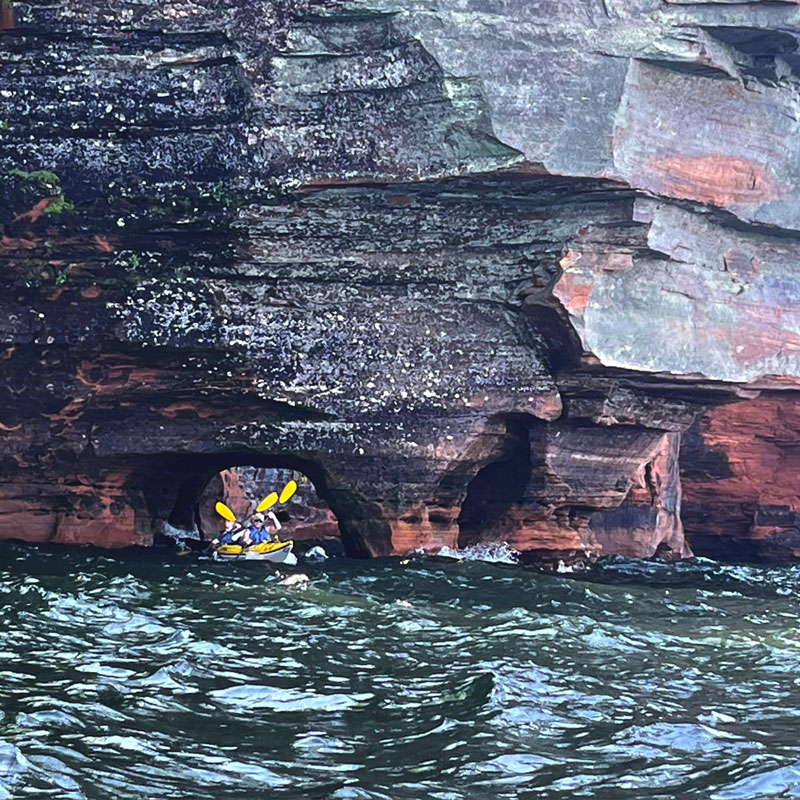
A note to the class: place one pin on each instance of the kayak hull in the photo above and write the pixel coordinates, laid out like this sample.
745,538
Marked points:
276,552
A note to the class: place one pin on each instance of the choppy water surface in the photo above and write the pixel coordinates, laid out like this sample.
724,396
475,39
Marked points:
127,678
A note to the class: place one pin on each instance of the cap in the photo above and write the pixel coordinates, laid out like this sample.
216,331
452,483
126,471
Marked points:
258,517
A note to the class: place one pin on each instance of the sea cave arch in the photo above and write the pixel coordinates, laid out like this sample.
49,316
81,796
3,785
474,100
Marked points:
180,492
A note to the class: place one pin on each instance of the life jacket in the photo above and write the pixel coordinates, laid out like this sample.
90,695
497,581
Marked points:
227,537
258,536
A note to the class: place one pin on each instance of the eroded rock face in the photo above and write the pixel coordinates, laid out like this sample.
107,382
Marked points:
740,492
475,269
728,300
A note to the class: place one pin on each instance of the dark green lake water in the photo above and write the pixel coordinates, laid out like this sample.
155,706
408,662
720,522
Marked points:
127,677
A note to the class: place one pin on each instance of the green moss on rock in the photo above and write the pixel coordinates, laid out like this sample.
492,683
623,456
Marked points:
42,179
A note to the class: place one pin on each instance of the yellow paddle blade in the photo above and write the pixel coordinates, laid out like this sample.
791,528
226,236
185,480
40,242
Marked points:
267,502
288,491
224,511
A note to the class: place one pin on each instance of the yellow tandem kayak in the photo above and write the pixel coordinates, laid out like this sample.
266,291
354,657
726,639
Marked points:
277,552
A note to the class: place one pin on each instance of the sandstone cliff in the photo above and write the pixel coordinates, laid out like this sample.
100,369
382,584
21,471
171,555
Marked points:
479,269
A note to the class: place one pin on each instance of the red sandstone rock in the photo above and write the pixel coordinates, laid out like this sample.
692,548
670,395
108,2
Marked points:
423,527
105,514
305,530
587,491
648,522
741,498
223,487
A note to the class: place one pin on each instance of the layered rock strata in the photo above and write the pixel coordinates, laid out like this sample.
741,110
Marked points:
480,271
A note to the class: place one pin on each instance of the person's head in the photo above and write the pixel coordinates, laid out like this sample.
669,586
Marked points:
258,520
229,524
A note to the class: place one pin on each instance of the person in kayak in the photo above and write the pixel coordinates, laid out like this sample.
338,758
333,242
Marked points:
232,534
258,531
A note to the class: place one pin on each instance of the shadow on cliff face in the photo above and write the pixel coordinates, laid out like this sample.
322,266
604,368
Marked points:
521,499
182,492
496,488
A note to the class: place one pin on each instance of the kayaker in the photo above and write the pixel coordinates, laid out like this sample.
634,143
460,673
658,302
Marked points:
231,535
258,531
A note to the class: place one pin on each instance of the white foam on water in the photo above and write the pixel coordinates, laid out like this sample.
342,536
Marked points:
493,552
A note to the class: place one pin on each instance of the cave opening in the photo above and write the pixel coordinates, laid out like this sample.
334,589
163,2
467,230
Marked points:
182,497
497,487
